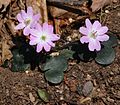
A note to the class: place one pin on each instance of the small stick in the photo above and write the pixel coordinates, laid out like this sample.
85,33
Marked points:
45,13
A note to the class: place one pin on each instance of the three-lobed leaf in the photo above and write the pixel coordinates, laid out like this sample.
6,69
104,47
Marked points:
67,53
105,56
112,42
18,62
54,69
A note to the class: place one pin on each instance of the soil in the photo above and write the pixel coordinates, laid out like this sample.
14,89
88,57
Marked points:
20,88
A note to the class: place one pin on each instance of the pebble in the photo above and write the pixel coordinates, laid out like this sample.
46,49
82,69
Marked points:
98,90
88,77
7,92
69,38
54,54
70,20
119,14
107,11
61,98
118,95
27,72
87,88
32,98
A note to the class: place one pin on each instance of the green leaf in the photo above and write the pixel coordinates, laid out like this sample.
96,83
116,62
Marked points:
54,69
105,56
18,62
54,76
43,95
67,53
112,42
58,63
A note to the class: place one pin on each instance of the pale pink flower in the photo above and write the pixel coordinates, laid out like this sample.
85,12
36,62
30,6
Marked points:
27,20
43,37
93,34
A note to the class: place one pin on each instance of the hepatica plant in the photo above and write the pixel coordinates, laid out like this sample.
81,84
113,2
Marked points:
95,44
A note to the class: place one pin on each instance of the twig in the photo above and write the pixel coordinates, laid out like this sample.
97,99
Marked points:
45,15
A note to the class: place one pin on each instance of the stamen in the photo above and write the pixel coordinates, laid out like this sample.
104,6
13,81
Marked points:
43,37
27,21
93,34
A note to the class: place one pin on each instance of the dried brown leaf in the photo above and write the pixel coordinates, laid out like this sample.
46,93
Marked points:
6,53
5,3
56,12
97,4
5,44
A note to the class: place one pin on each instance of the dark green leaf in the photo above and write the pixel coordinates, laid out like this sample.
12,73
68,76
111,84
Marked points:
56,63
105,56
43,95
67,53
112,42
6,64
54,69
18,62
54,76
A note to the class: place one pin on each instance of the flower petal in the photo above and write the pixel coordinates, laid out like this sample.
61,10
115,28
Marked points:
94,44
19,18
47,47
96,25
45,26
20,26
54,37
38,27
84,39
35,32
36,17
97,46
91,46
39,47
102,37
51,43
30,11
88,24
102,30
23,14
26,31
83,30
33,40
50,28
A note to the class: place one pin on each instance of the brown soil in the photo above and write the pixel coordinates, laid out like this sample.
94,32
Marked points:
16,87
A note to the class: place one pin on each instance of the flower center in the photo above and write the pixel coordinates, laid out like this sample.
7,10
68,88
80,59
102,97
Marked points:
27,21
93,35
43,37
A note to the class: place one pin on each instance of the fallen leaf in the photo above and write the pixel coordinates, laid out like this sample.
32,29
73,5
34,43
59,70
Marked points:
4,3
97,4
56,12
6,53
5,44
43,95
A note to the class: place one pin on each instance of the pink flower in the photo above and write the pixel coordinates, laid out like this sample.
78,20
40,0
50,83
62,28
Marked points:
27,20
93,34
43,37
